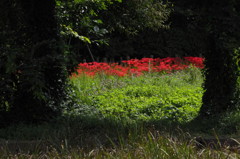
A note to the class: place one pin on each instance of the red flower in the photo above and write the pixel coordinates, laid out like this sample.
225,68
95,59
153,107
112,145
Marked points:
138,67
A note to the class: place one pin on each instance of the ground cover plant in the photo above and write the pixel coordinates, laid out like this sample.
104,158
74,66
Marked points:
132,116
145,89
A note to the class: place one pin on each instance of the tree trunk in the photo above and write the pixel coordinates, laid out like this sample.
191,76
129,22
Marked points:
41,82
221,61
221,81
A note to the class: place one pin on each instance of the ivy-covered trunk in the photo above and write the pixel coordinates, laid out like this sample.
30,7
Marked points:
221,79
222,59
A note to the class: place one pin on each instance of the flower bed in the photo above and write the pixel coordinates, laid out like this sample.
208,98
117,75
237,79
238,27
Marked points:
138,67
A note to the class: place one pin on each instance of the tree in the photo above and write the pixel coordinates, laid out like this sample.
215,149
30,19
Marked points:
222,57
219,22
35,78
129,23
104,21
81,27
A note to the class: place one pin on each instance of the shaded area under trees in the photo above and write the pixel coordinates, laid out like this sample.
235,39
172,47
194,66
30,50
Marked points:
32,62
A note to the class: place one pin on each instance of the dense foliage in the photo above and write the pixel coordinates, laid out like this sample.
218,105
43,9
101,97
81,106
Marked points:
93,28
32,62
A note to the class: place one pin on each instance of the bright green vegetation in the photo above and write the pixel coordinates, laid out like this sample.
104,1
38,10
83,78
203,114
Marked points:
174,96
148,116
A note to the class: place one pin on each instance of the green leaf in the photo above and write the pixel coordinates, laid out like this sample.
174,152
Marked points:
78,1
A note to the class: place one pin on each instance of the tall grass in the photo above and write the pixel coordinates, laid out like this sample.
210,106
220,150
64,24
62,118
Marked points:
148,145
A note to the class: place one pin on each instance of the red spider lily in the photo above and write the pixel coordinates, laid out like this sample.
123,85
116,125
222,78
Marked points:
137,67
196,61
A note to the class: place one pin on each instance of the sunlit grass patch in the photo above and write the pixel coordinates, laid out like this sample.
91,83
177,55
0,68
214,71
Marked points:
175,96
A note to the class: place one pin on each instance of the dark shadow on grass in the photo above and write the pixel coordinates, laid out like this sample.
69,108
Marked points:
91,131
84,131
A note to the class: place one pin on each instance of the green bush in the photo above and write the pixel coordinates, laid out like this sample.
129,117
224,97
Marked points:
151,102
